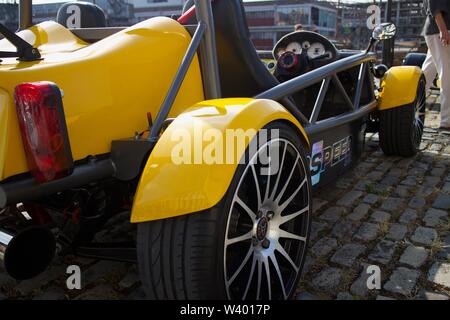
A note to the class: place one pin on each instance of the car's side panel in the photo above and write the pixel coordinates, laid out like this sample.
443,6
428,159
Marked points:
109,86
172,187
399,87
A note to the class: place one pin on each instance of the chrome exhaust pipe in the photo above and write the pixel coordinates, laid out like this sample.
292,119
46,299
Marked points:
26,252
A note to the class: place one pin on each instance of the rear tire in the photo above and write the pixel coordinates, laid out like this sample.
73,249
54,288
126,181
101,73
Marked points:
401,128
215,254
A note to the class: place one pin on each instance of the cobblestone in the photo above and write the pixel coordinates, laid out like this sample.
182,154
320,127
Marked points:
414,256
324,246
347,255
383,252
328,279
402,281
424,235
397,231
440,274
442,202
380,216
435,217
367,231
408,216
332,214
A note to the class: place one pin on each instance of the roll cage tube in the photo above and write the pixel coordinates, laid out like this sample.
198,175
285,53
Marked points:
25,14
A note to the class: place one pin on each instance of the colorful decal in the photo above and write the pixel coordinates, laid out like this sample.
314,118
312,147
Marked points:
323,158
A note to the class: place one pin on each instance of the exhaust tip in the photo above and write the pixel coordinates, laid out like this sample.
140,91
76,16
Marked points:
29,253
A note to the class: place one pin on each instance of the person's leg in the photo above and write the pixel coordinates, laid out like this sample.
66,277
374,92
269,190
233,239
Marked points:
441,58
429,70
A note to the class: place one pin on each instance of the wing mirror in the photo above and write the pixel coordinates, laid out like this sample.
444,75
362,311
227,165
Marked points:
384,31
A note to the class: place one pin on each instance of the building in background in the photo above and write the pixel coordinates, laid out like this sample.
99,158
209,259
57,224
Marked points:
9,14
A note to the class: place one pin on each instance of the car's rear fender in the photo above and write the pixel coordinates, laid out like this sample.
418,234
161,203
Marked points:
399,87
168,188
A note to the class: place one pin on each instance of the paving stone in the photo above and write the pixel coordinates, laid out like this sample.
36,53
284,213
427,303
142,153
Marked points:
3,297
333,214
414,256
438,172
137,294
392,204
347,255
442,202
51,293
383,252
408,216
444,252
309,261
328,279
305,296
318,204
397,231
363,185
409,181
344,296
425,191
130,279
316,228
100,270
367,231
380,297
380,216
359,212
439,274
375,175
101,292
390,180
446,188
324,246
402,281
359,286
5,279
429,295
402,191
54,272
424,235
343,229
417,203
370,198
434,217
349,198
431,181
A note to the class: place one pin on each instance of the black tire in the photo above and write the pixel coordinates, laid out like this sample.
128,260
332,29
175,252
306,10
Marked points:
401,128
414,59
185,257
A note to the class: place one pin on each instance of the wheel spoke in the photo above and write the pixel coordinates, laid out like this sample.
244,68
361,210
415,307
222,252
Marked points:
258,285
286,203
277,269
258,191
275,187
280,195
269,284
249,282
243,237
283,252
288,217
288,235
246,208
244,262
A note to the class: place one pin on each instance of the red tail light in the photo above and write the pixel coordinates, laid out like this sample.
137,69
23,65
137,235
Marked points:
44,132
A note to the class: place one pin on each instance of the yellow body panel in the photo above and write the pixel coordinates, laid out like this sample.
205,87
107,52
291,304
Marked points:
399,87
169,189
108,86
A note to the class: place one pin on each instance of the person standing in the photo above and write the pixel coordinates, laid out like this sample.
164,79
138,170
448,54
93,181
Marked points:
437,37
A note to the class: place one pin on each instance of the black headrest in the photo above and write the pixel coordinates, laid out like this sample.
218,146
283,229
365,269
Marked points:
81,15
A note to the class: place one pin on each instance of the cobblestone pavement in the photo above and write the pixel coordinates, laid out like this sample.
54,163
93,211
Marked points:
388,211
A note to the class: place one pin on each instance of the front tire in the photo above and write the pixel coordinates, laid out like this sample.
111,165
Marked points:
401,128
251,245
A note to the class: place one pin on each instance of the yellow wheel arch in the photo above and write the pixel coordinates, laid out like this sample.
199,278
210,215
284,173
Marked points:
399,87
178,179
